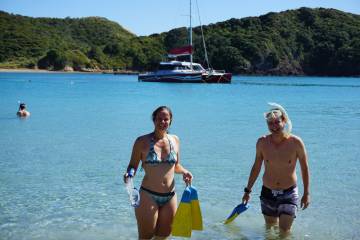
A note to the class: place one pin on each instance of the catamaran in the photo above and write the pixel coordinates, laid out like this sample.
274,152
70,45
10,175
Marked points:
183,71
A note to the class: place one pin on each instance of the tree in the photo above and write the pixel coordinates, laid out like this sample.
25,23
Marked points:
53,60
230,59
97,54
77,59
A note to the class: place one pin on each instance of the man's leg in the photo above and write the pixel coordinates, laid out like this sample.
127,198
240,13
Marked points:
287,211
285,223
270,221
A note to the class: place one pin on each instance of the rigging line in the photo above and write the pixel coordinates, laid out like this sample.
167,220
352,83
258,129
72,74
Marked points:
202,36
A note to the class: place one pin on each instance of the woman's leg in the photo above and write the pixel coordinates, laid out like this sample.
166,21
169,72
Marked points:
165,218
146,216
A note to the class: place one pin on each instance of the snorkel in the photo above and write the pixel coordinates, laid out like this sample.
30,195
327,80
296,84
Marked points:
277,112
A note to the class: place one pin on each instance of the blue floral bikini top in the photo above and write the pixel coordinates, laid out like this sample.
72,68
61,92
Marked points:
153,159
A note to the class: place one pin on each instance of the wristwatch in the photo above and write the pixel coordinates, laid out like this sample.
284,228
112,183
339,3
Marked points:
246,190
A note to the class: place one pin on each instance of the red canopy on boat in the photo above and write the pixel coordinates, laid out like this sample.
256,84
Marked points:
186,50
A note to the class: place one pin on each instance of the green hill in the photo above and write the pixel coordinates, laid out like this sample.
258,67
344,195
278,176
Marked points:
25,40
295,42
304,41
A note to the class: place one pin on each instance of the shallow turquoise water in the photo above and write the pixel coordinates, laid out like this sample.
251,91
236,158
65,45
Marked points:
61,169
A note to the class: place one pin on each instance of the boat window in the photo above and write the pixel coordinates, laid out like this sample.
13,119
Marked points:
184,67
167,67
197,68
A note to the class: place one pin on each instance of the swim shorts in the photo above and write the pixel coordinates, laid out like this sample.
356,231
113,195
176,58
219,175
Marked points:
277,202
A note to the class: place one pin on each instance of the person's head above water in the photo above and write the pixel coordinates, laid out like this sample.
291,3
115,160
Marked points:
162,117
22,112
277,115
22,106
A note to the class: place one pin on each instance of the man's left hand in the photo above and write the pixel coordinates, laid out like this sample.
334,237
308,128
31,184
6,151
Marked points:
305,201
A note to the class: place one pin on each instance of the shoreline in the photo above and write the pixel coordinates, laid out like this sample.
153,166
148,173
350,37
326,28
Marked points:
28,70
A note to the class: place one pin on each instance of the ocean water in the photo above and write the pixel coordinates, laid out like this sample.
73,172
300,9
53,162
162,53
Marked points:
61,169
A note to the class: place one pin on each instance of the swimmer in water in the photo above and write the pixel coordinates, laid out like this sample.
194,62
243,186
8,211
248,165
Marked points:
22,112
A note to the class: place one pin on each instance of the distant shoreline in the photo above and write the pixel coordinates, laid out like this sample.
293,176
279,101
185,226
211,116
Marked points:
28,70
24,70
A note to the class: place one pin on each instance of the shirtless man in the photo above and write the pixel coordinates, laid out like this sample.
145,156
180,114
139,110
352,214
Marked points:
279,151
22,112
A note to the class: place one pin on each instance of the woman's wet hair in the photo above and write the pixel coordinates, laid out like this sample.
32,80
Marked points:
159,109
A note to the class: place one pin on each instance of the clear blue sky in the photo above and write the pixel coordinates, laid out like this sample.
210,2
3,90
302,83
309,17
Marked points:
144,17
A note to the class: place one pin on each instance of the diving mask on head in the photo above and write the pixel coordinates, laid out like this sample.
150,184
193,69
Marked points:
273,114
277,112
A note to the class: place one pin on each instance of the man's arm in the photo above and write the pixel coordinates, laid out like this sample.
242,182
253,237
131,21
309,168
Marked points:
305,200
255,170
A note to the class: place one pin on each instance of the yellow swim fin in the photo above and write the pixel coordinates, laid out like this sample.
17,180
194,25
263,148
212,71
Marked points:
197,223
182,222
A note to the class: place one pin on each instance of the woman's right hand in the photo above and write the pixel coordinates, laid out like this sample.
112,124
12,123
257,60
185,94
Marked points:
126,176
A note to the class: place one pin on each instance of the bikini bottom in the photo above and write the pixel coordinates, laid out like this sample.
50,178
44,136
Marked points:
159,198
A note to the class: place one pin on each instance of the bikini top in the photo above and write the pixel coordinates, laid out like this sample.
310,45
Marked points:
153,159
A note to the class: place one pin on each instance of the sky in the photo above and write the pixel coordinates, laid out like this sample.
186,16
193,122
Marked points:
145,17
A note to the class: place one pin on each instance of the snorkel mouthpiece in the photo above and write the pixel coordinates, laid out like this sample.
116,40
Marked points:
277,111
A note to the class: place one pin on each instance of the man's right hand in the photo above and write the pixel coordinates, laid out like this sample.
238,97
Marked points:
246,198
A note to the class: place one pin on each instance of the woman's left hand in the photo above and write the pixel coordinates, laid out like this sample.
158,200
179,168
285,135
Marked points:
187,177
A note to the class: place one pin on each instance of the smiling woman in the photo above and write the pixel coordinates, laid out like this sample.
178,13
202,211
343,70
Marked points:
159,153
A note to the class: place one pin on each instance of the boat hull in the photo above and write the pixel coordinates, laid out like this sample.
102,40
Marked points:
217,78
187,78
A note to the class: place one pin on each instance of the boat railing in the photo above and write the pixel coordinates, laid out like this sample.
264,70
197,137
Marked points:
210,70
147,72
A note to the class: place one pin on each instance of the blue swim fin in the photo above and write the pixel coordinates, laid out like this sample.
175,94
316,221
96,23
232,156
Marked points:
182,222
237,210
197,223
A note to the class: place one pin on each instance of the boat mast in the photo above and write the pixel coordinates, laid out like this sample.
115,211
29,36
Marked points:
203,38
190,40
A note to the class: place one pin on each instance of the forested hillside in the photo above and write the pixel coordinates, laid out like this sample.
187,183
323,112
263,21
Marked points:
295,42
